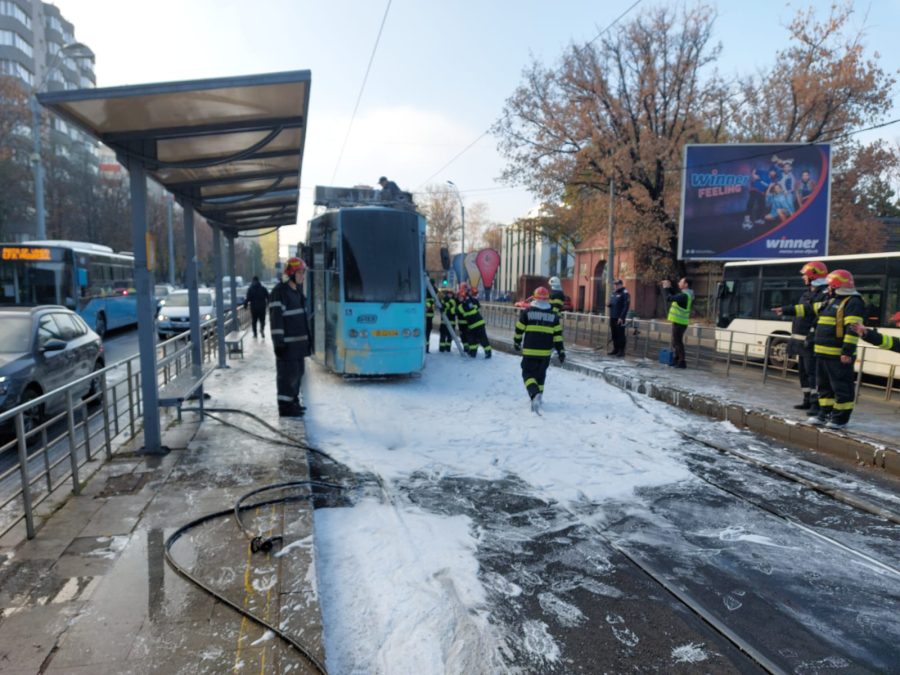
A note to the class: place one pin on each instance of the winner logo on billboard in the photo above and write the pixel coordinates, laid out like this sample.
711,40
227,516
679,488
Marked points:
754,201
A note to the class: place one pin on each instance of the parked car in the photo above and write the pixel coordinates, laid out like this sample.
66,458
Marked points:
241,295
175,316
41,349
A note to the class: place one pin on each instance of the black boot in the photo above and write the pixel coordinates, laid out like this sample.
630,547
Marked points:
807,403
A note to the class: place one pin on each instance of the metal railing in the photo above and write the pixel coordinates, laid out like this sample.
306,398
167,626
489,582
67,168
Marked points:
706,347
54,449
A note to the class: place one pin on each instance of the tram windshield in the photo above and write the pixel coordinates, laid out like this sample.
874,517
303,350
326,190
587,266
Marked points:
382,260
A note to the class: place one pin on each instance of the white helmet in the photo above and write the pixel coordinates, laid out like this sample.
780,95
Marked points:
555,284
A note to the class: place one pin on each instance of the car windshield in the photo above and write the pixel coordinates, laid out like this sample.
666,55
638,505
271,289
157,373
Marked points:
16,335
181,299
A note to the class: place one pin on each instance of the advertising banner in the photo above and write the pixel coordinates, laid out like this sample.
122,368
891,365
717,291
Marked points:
753,201
472,269
487,260
459,267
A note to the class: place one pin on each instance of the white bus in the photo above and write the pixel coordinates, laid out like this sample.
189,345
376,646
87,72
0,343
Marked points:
87,278
750,289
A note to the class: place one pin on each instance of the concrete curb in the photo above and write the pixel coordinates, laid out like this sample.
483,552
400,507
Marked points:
860,450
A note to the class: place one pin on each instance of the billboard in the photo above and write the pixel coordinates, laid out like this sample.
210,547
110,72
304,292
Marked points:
754,201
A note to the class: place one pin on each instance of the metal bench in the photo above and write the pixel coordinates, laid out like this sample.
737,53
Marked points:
184,386
234,342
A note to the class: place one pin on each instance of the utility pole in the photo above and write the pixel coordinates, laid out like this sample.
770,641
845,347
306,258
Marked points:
610,278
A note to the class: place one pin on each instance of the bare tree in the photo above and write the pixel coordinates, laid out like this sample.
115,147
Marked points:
620,111
15,177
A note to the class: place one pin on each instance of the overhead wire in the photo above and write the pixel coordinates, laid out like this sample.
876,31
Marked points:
361,90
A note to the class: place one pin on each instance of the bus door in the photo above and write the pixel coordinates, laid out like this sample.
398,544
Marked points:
871,289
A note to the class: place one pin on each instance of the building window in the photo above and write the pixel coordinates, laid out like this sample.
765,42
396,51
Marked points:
9,8
13,39
54,23
16,69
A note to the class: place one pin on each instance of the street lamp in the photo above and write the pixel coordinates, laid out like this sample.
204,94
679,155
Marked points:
462,213
75,50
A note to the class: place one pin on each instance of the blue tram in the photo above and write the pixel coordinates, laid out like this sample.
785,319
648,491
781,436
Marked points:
365,283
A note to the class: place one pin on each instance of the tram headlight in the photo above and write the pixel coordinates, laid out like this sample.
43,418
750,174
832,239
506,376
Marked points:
406,332
416,332
363,333
353,333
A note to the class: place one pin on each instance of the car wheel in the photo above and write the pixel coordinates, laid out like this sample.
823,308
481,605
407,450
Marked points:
100,325
32,417
95,381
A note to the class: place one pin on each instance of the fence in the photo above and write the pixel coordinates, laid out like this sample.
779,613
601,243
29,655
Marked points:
56,448
706,347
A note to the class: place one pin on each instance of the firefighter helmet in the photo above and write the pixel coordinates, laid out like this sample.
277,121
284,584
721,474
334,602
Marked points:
814,270
541,293
842,282
896,318
463,289
294,265
555,284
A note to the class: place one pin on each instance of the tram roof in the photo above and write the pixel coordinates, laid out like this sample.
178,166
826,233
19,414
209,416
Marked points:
232,148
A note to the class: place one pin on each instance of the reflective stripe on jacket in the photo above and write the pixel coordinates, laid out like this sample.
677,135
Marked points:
538,332
835,315
882,341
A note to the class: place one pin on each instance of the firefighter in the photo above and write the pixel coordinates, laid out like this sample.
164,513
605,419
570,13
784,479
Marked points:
835,346
803,334
429,320
462,292
538,332
557,297
290,337
880,340
448,316
469,310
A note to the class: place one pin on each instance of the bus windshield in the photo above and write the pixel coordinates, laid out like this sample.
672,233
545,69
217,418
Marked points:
382,260
36,283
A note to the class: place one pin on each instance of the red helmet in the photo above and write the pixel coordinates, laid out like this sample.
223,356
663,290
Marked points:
541,293
294,265
840,279
896,318
463,288
814,270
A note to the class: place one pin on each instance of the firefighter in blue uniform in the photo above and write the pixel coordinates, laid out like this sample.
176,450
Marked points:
880,340
290,337
835,346
538,333
803,330
469,310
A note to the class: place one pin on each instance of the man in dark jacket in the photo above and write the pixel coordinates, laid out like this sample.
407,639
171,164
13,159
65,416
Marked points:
835,346
290,337
258,300
390,191
619,303
803,330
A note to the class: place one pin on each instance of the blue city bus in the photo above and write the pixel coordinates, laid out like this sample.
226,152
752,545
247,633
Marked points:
89,279
365,283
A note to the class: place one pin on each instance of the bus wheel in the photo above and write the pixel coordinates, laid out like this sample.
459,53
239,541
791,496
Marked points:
101,325
778,352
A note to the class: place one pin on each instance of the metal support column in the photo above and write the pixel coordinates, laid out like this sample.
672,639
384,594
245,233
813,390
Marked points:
220,301
143,281
190,282
232,279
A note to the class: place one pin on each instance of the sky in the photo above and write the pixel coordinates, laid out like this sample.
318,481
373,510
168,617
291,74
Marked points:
438,80
407,566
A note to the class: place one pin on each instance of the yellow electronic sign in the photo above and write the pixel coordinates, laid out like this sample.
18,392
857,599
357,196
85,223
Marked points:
26,253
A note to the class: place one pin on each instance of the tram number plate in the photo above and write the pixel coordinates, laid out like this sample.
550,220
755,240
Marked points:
384,333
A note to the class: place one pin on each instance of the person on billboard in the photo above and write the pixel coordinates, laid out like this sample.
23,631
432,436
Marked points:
779,203
805,187
755,212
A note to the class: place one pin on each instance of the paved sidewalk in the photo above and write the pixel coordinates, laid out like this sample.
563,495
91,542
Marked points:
92,593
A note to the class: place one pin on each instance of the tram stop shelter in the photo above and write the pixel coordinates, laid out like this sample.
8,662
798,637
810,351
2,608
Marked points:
230,149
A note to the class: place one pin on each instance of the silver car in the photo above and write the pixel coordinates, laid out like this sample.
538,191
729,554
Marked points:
175,316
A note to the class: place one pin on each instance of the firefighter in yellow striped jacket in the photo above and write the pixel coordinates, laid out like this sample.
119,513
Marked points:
880,340
448,316
834,346
538,333
469,310
429,319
